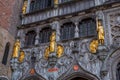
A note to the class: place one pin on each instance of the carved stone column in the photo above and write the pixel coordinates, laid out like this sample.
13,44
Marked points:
21,36
18,33
28,6
98,2
56,26
37,37
76,30
22,40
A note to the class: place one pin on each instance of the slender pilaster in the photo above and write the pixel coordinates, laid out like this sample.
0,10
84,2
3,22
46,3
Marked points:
28,6
37,37
76,30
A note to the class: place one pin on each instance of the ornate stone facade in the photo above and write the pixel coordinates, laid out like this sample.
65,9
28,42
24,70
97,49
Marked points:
77,60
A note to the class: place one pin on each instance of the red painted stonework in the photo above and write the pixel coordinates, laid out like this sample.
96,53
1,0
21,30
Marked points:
76,67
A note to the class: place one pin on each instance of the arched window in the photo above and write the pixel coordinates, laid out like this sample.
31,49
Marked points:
67,31
40,4
45,35
30,38
6,52
87,27
32,5
118,72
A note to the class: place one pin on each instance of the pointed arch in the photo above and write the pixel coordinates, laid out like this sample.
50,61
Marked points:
112,64
80,75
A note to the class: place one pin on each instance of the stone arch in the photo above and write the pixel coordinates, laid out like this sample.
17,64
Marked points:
92,16
80,75
65,21
112,62
33,77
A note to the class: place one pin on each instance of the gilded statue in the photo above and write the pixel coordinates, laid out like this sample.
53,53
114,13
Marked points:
52,42
47,51
93,46
100,31
55,1
60,51
16,49
54,47
21,57
24,8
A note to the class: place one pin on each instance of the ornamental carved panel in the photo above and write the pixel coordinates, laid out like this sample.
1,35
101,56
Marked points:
115,28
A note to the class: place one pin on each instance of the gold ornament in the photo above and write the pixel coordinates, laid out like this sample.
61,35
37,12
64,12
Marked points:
100,31
93,46
22,56
100,40
16,49
60,51
53,47
47,51
52,42
24,8
55,1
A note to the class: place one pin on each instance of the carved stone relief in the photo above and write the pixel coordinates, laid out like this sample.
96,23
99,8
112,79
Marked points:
115,29
76,50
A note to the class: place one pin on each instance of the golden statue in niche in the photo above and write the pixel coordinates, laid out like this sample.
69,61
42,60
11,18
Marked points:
16,49
100,38
60,51
55,1
53,42
21,57
100,31
24,8
93,46
54,47
47,51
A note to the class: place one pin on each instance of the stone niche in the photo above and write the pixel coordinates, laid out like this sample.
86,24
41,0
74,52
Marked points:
115,28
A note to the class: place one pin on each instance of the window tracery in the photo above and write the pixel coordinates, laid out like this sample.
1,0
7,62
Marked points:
67,31
30,38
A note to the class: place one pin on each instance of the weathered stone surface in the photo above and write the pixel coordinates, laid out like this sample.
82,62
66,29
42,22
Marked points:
9,20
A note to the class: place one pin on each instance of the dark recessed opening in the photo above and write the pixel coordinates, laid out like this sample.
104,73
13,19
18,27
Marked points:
78,78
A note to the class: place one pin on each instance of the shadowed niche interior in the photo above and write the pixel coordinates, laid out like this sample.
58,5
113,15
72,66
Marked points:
78,78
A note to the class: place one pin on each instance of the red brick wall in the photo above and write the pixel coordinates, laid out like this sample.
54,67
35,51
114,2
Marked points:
9,20
10,14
